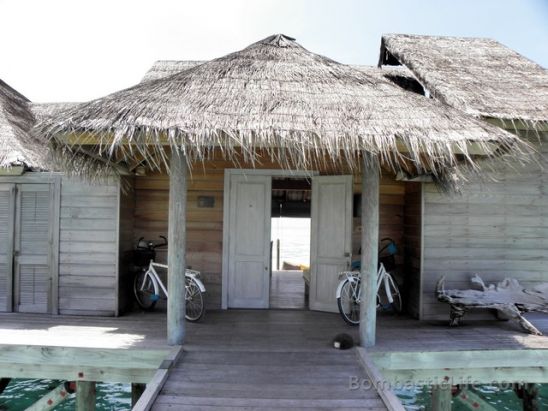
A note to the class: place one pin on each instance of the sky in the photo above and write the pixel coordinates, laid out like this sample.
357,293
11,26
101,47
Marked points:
75,50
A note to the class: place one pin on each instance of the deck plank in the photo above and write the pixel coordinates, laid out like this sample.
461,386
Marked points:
266,360
265,354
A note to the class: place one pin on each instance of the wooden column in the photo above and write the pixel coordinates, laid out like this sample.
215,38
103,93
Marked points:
441,397
136,392
85,395
530,397
176,249
370,247
4,383
51,399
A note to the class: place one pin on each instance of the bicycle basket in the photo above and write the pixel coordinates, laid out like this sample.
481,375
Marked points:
389,262
142,257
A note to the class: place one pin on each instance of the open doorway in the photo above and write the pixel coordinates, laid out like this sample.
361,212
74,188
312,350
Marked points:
290,243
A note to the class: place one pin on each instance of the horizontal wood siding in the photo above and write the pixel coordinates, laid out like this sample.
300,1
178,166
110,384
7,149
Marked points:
205,225
391,215
411,285
496,229
88,248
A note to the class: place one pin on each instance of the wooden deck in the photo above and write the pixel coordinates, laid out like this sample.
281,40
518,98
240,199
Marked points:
396,334
134,331
266,360
287,290
274,359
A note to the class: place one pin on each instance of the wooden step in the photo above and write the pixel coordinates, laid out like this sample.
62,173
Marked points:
273,391
270,358
265,402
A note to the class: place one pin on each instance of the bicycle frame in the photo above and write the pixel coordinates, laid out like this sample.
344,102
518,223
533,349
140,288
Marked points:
155,278
354,278
383,278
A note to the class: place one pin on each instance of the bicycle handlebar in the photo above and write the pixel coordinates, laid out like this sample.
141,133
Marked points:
150,244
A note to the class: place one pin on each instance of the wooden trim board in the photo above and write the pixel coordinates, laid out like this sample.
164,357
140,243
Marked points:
79,364
158,380
390,399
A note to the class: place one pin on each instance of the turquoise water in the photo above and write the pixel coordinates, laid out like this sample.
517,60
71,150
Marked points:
20,394
418,398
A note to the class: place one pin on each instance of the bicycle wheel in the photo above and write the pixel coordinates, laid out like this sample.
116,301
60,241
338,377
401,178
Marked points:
145,291
348,306
194,301
382,298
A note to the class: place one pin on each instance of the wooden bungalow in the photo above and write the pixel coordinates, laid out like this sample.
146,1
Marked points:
197,150
60,237
241,122
496,226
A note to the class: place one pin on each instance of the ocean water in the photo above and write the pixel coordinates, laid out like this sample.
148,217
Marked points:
22,393
294,236
502,399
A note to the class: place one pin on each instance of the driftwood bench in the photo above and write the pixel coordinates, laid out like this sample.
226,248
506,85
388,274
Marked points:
508,298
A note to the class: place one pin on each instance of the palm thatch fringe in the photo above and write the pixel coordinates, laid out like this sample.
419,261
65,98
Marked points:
479,76
62,158
18,144
276,96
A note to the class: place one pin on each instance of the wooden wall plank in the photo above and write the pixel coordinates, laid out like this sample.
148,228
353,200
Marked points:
88,249
411,281
497,229
205,226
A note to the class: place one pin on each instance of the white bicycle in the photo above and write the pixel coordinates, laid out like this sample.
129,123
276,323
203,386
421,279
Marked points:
148,285
349,291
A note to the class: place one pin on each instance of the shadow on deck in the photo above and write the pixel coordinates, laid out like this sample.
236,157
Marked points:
276,330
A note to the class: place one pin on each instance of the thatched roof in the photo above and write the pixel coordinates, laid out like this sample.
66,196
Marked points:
166,68
18,146
400,75
45,111
277,96
479,76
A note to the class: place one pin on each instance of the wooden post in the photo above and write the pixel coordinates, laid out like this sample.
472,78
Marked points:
85,395
530,397
4,383
136,392
176,249
469,400
370,247
441,397
51,399
278,254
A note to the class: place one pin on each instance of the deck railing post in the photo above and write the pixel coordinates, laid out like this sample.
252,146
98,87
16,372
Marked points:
441,397
136,392
85,395
369,246
176,249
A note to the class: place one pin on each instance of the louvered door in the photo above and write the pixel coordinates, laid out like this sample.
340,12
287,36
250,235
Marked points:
33,239
7,219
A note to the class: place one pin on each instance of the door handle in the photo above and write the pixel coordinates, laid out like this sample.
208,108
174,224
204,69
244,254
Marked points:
16,253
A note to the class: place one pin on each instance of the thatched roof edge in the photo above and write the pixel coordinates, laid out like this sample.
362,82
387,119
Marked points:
477,75
275,96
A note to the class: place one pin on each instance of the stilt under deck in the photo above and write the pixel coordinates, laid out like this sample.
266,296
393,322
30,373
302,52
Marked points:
277,359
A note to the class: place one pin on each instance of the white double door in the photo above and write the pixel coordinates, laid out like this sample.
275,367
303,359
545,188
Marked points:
246,262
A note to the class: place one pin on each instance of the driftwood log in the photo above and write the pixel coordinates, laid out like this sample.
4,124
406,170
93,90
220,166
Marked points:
508,298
